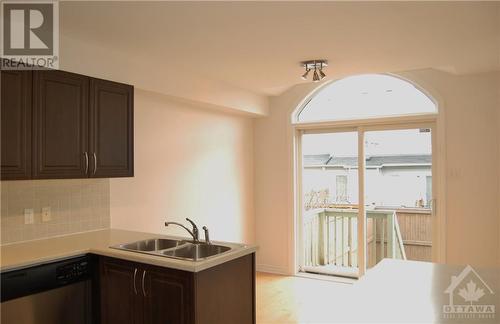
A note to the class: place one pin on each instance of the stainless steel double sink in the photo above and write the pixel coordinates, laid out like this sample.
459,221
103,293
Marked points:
172,248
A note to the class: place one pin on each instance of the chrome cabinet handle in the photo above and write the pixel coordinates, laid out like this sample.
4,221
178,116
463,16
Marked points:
135,274
143,289
86,162
95,163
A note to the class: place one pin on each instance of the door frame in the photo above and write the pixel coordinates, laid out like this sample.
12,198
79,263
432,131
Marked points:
361,126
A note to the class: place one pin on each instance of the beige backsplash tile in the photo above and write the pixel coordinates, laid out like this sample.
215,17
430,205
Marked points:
77,205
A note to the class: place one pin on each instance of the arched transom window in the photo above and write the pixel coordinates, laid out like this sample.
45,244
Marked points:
366,96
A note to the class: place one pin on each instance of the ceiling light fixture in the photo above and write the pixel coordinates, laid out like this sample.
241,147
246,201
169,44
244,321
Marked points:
317,66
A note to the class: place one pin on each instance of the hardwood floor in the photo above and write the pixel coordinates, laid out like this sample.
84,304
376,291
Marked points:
288,299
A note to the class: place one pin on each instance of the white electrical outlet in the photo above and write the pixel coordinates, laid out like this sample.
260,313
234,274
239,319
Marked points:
29,216
46,215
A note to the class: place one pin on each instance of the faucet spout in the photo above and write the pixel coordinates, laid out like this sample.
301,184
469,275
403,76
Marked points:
194,233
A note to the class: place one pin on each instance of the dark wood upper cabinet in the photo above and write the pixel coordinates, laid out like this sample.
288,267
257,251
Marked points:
16,118
111,129
61,125
60,117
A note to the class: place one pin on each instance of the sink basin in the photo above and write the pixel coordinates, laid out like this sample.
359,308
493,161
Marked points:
196,251
151,245
171,248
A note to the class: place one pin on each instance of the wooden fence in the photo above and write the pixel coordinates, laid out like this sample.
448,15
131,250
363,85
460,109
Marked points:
416,231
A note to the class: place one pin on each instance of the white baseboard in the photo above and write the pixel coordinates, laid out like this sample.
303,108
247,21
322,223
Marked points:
272,269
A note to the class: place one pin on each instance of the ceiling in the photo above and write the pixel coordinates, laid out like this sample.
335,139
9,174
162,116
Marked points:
257,45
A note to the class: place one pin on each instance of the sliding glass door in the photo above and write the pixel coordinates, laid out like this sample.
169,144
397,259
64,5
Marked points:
398,197
330,199
366,194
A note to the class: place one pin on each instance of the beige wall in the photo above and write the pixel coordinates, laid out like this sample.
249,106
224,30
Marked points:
498,128
189,162
149,74
471,176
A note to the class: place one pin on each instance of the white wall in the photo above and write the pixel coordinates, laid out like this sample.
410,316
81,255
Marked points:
189,162
471,152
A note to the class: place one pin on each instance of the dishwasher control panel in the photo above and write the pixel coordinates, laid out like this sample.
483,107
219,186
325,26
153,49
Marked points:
39,278
72,271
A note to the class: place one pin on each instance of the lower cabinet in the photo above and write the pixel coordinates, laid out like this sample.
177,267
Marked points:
121,302
132,292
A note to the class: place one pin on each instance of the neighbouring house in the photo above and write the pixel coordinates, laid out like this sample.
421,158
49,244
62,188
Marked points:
406,179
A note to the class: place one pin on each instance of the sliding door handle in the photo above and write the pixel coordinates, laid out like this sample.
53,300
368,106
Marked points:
95,163
135,287
143,289
86,155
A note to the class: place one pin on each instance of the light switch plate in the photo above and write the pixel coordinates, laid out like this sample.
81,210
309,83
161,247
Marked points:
46,214
29,216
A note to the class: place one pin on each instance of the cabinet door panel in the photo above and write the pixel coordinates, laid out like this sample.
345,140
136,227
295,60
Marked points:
60,125
16,118
119,301
168,297
111,125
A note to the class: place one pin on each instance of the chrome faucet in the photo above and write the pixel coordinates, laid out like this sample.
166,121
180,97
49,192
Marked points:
207,236
194,233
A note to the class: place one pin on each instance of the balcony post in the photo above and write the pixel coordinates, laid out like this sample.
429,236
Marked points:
391,238
361,203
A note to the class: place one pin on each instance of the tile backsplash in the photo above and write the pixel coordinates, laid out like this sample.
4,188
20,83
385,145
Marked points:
75,206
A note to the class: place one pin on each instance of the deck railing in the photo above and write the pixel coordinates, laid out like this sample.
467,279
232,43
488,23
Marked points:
330,237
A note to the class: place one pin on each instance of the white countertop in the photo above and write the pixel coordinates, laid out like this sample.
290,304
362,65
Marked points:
397,291
20,255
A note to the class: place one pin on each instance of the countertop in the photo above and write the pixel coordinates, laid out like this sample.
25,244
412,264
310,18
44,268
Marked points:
20,255
400,291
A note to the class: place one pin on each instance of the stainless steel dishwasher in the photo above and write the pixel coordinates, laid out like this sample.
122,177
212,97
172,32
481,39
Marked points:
53,293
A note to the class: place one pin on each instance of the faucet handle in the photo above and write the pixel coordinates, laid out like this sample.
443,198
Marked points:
207,236
195,229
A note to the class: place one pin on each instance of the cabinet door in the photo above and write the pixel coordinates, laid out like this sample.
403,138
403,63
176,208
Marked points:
60,125
121,301
16,118
111,129
168,296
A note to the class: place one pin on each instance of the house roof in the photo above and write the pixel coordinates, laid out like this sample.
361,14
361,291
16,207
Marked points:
316,159
373,161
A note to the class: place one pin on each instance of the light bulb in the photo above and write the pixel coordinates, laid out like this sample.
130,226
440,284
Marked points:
304,76
316,76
